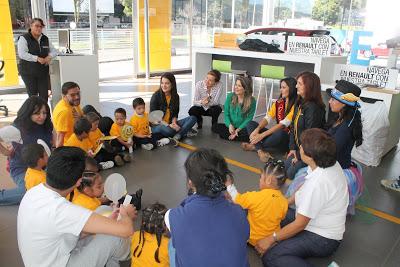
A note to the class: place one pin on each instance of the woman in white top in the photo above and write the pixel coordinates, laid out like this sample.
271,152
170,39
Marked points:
321,206
206,98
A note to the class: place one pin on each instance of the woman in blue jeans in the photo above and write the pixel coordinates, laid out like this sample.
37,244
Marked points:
166,98
321,207
34,122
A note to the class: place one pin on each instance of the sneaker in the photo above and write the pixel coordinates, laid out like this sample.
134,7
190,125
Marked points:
177,137
163,142
119,161
391,184
174,141
147,146
191,133
106,165
127,158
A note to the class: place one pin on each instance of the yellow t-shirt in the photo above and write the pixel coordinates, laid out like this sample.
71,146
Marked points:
140,124
90,203
272,112
34,177
266,209
63,119
167,114
94,137
85,144
146,258
116,129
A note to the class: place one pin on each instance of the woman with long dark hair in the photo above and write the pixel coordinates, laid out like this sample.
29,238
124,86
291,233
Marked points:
239,109
166,98
309,112
34,122
277,137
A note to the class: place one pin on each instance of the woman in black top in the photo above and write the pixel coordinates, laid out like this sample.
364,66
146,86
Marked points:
309,113
35,52
166,99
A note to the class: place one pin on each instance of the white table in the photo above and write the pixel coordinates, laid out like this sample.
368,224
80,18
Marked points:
82,69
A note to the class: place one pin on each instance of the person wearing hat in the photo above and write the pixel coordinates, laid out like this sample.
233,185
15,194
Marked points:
35,52
239,109
345,127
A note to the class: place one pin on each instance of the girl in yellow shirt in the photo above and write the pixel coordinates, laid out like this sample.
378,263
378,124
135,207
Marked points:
150,245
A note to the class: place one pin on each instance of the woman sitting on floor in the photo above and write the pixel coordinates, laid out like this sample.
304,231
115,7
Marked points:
206,98
166,98
277,137
239,109
346,129
316,228
309,112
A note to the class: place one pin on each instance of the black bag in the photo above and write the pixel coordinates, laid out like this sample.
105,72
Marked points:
259,46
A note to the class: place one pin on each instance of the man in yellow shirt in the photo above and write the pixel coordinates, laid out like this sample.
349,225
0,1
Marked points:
267,207
66,112
36,158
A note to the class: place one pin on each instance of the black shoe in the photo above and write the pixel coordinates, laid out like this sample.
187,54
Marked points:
199,125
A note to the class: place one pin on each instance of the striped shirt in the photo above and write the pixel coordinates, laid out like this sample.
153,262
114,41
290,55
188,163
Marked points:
202,92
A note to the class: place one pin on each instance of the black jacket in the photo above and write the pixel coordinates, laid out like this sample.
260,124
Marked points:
311,116
40,50
159,102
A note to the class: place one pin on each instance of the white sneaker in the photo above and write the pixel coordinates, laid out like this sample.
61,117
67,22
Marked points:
191,133
106,165
147,146
163,142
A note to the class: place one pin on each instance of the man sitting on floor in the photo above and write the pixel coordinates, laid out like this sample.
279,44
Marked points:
51,229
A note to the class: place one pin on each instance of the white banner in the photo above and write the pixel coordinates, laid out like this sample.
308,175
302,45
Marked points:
364,75
315,46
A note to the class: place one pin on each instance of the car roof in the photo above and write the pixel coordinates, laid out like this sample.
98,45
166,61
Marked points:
301,32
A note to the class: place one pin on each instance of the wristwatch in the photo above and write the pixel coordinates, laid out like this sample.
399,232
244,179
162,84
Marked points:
275,237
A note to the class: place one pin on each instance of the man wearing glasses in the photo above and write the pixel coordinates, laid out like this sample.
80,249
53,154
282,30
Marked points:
35,52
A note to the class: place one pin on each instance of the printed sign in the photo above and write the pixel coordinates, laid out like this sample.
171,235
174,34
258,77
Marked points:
315,46
362,75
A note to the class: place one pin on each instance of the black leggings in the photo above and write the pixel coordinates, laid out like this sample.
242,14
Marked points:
199,112
37,85
224,133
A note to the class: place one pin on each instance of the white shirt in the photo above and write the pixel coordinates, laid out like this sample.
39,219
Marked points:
201,93
23,50
48,227
324,198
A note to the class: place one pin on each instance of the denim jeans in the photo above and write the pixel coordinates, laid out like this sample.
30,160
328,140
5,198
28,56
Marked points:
15,195
293,251
186,124
277,140
291,169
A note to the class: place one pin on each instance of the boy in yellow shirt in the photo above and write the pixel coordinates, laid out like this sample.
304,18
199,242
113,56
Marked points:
150,245
116,130
267,207
36,158
141,127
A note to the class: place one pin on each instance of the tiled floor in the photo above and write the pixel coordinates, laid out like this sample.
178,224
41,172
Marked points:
368,241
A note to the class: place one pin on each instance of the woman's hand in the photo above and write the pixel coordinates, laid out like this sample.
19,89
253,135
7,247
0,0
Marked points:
291,153
256,139
264,244
254,133
231,129
175,126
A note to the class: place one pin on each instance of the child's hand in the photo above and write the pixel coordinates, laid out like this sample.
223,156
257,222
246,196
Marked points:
229,180
129,211
91,154
148,136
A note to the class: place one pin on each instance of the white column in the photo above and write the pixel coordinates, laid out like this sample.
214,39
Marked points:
293,7
135,28
190,33
146,38
93,27
268,12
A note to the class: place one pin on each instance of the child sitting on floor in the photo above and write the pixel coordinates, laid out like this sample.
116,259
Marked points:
36,158
106,153
91,189
150,245
267,207
141,127
116,130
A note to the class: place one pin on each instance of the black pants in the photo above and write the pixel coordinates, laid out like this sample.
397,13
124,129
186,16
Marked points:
153,140
198,112
223,132
37,85
103,155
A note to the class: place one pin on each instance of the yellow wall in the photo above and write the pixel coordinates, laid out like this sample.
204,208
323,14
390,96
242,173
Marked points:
7,50
159,35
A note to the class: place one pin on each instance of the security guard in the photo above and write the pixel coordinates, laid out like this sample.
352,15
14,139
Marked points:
35,52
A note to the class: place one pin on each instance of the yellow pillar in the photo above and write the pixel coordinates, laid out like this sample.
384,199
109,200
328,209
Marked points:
7,50
159,35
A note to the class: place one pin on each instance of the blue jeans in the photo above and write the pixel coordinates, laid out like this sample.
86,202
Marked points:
186,124
277,140
15,195
291,169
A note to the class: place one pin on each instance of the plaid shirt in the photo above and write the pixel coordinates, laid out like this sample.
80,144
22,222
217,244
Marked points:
201,93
